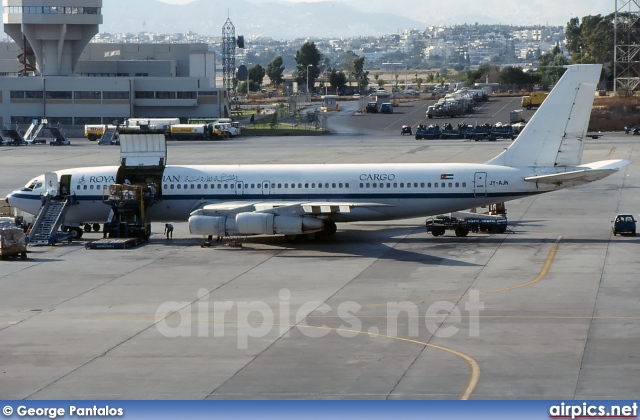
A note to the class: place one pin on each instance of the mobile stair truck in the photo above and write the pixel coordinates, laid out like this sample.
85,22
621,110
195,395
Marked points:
137,188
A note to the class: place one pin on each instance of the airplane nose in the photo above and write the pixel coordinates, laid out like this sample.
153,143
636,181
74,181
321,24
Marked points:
7,199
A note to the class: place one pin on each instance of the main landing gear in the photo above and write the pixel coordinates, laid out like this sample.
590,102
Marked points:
329,229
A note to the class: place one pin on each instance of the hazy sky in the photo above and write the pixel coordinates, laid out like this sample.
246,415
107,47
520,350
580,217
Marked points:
555,12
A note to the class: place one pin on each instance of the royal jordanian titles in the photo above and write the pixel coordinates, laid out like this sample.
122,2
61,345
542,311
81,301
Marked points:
229,200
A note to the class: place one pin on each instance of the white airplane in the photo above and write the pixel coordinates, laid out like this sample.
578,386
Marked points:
229,200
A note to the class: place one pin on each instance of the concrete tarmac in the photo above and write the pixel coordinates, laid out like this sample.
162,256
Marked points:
549,310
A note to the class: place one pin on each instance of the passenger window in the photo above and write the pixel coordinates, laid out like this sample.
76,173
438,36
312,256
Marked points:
368,185
79,187
450,185
402,185
457,184
85,187
340,185
171,186
292,185
279,185
232,186
306,185
346,185
319,185
442,185
415,185
435,185
429,185
464,184
326,185
206,186
375,185
395,185
333,185
388,185
226,186
186,186
300,185
219,186
90,187
199,186
361,185
179,186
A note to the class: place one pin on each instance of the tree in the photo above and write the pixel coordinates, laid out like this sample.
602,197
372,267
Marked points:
307,59
337,79
360,74
256,75
274,71
552,66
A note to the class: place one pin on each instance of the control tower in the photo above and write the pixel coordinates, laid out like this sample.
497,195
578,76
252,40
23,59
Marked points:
57,35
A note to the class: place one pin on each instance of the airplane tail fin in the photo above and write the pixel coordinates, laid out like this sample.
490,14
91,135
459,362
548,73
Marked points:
555,135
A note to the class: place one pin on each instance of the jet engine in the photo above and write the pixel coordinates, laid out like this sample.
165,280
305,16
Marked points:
201,223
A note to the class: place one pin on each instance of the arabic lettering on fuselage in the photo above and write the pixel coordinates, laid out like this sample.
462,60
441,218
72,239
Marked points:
200,178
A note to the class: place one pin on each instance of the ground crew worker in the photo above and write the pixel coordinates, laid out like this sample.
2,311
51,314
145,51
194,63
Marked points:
168,230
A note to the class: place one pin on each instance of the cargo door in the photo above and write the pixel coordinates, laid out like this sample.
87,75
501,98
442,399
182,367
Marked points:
480,184
143,150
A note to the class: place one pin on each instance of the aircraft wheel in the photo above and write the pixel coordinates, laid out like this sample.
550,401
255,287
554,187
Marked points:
311,236
87,227
96,227
76,232
291,238
329,228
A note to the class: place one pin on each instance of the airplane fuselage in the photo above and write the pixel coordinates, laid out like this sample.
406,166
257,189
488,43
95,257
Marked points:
405,190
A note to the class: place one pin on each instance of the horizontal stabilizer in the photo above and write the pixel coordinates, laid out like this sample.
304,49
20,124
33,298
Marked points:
583,173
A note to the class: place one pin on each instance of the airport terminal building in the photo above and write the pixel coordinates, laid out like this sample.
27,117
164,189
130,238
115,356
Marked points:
53,71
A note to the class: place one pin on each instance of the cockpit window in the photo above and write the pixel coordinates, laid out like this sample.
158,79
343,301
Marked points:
34,184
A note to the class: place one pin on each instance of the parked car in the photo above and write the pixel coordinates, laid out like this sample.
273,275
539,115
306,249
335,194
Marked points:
406,129
372,107
386,108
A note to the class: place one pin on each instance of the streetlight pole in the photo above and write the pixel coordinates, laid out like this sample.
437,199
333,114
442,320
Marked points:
308,89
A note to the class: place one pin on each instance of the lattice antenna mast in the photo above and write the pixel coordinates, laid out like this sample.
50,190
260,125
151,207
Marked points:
626,54
228,55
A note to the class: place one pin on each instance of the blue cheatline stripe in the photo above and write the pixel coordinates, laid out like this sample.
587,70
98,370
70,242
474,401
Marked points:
310,197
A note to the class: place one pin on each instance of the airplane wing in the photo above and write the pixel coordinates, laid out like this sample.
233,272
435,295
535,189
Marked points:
286,208
583,173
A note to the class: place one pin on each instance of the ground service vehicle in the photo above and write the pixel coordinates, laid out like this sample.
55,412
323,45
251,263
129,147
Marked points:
429,133
190,131
94,131
406,129
438,225
372,107
534,100
624,224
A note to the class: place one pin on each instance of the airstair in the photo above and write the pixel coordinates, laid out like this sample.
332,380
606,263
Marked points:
14,135
108,135
34,130
48,220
